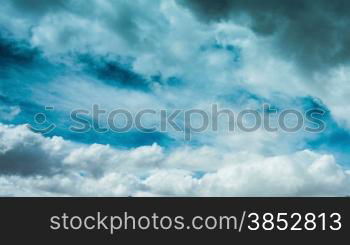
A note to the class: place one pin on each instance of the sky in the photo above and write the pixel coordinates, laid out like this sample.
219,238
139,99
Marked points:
57,56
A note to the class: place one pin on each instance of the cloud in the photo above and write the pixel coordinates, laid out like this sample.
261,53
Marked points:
66,25
8,113
31,164
38,7
171,55
25,153
313,34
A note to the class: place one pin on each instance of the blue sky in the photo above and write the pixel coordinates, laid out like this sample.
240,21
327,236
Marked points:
171,55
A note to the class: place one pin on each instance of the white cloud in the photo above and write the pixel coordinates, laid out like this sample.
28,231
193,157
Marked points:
9,112
100,170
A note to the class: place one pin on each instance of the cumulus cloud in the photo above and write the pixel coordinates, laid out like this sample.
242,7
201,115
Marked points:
31,164
25,153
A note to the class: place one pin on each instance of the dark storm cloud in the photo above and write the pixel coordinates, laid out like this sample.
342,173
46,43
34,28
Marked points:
315,34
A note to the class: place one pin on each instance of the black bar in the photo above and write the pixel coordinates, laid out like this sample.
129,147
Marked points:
29,219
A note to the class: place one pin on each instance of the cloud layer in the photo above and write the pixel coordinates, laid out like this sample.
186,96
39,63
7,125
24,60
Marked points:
67,169
177,54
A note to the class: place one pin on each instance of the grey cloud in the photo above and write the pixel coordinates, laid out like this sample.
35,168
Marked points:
27,162
312,33
27,154
38,7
